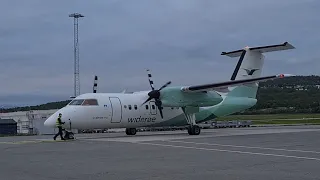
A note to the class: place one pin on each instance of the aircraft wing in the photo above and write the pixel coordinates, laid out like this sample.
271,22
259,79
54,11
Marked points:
221,85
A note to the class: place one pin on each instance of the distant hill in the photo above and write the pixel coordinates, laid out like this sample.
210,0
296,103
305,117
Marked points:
300,94
47,106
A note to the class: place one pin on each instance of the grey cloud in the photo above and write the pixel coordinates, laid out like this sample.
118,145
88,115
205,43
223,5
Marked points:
178,40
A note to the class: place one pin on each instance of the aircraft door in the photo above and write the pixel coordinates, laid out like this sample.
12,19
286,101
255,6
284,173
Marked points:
153,108
116,110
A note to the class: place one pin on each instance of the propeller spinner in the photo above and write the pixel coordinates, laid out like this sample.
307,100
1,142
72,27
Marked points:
155,94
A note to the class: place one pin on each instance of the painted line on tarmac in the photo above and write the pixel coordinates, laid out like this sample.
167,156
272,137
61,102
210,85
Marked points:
230,151
32,142
248,147
19,142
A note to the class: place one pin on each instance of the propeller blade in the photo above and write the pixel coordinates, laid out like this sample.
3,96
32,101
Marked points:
150,79
149,98
95,84
165,85
158,104
160,109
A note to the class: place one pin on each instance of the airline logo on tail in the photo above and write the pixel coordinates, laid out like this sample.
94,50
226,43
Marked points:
250,71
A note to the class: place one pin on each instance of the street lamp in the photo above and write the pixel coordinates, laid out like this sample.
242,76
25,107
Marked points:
75,17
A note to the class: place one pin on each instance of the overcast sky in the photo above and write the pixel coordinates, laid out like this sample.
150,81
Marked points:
179,40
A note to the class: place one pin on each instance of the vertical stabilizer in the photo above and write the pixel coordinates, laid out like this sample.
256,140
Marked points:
250,65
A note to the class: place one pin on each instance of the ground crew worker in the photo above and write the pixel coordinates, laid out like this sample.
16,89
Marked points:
59,125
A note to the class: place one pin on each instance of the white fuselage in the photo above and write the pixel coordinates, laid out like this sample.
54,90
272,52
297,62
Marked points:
113,110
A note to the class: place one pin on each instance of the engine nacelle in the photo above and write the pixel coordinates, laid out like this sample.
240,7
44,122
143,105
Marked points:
174,97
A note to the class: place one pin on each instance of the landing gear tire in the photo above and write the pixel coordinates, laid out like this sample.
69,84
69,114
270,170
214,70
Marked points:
131,131
189,130
194,130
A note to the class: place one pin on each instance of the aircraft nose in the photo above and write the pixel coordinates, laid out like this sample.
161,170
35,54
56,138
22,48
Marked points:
50,122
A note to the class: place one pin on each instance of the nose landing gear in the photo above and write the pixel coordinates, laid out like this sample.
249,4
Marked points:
68,134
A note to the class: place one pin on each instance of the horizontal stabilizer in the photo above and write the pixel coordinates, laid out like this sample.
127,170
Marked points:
261,49
214,86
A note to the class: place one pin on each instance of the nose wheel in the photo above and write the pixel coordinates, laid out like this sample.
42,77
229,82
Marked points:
68,135
131,131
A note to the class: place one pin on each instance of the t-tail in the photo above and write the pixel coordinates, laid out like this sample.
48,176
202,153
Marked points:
250,65
243,96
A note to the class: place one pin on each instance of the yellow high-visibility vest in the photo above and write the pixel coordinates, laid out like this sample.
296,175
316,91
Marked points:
58,124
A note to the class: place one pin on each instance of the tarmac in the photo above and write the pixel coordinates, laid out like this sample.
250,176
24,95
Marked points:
286,152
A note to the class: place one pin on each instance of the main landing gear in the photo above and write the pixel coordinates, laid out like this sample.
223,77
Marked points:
193,128
131,131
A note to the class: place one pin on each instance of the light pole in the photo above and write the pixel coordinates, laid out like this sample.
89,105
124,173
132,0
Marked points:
75,17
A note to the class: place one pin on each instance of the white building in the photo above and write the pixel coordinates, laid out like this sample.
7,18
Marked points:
31,122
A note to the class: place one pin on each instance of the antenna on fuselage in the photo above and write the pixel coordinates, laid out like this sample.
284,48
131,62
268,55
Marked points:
95,84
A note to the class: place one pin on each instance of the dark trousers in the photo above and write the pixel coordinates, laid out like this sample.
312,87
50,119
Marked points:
59,133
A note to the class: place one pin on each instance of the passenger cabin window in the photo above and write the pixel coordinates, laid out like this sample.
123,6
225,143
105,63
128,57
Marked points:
76,102
129,106
135,107
153,107
147,107
90,102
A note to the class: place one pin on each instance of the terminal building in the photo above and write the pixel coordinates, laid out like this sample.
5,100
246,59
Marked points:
31,122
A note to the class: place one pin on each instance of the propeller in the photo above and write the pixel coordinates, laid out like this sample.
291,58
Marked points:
155,94
95,84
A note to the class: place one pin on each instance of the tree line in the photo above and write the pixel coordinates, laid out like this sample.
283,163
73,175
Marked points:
300,94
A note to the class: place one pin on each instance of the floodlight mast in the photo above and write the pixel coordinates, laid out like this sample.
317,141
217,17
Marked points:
75,17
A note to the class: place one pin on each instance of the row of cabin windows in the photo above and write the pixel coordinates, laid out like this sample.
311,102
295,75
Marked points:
94,102
136,107
146,106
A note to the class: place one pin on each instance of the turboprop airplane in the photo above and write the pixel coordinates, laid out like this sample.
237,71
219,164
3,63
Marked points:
173,106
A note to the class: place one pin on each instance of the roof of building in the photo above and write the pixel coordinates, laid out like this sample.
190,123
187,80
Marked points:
24,113
7,121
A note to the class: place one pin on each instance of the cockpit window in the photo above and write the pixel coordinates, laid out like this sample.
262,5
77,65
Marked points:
90,102
76,102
